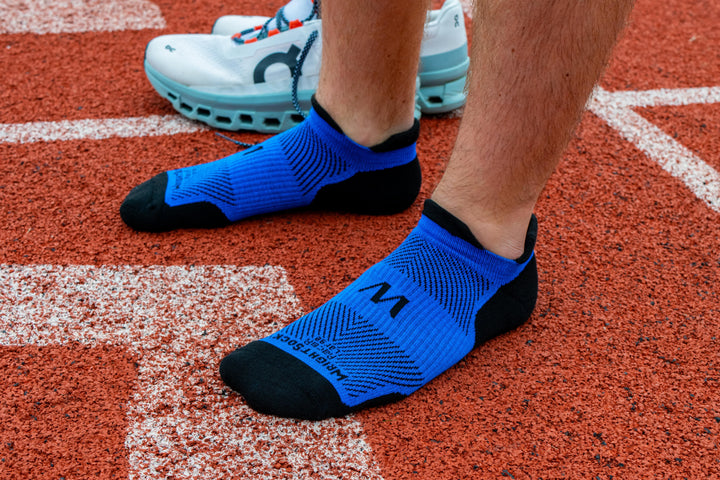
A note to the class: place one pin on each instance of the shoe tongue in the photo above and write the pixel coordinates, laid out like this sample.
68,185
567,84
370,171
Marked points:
298,9
294,10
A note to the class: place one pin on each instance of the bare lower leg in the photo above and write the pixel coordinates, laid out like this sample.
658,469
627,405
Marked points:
534,65
369,65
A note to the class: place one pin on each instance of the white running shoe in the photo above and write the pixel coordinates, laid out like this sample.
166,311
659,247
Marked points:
262,78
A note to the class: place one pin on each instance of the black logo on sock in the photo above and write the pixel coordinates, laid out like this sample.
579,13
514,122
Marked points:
400,301
289,59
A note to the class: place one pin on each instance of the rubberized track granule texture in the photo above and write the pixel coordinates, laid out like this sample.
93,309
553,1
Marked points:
110,339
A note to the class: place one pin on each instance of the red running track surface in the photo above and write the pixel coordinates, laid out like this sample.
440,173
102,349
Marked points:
110,339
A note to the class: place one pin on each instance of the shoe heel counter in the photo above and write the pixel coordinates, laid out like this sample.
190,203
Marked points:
444,52
445,29
453,24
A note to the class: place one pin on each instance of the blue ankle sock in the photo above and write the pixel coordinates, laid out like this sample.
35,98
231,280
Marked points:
399,325
311,165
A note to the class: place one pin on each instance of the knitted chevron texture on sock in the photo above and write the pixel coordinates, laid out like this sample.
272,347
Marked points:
403,322
312,164
284,172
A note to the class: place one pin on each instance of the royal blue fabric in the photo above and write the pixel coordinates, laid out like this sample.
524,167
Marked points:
404,321
285,171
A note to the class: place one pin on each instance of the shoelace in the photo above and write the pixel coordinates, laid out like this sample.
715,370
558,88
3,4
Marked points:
297,71
283,24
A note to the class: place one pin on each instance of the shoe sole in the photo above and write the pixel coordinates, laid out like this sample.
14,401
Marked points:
441,90
260,113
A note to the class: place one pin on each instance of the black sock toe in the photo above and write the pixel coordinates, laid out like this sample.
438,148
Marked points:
144,209
276,383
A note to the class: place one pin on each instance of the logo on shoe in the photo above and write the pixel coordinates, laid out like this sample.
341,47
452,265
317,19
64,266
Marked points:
290,59
400,301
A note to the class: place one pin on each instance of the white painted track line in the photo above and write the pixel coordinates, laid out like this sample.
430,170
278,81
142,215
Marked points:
616,109
179,322
97,129
72,16
664,97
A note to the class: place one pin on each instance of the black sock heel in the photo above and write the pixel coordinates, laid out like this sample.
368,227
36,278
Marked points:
383,192
510,307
